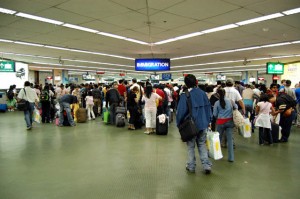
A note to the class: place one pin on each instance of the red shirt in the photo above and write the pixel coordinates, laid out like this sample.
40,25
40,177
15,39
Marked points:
121,89
161,94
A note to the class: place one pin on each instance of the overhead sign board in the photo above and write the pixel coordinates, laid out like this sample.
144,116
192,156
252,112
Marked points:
166,76
275,68
221,77
152,64
7,66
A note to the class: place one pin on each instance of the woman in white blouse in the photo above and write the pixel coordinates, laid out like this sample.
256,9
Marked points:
150,99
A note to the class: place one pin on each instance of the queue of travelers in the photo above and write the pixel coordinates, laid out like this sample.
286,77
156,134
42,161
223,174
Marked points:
212,107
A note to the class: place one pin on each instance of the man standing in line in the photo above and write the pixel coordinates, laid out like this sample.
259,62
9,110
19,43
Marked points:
113,99
27,93
64,103
201,114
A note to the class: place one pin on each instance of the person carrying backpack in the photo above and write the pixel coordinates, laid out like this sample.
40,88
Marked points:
45,99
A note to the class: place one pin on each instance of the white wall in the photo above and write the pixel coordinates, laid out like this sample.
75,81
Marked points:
7,78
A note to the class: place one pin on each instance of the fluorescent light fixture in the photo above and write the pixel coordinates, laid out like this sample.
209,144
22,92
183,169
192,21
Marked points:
258,19
165,41
249,48
56,47
284,56
136,41
292,11
20,14
43,63
295,42
229,26
7,11
80,28
262,58
5,40
111,35
28,44
278,44
179,38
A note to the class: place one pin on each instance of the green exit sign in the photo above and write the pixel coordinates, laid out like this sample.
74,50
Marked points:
7,66
275,68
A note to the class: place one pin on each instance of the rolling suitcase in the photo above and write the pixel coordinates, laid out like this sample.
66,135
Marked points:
162,128
81,115
3,108
121,109
120,120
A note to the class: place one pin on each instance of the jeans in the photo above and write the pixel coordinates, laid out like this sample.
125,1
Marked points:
28,115
286,124
228,129
65,106
200,141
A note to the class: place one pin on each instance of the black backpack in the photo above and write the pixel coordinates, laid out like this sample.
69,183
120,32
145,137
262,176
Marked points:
10,95
288,99
44,96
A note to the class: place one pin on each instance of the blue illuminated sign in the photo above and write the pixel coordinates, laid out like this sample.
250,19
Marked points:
166,76
152,64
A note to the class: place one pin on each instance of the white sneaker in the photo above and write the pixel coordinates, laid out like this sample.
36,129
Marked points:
147,132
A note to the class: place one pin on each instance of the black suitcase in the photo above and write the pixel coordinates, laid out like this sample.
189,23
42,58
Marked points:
120,120
120,109
162,128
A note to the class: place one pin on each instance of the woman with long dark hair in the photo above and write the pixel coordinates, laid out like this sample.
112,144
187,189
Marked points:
132,106
150,108
223,111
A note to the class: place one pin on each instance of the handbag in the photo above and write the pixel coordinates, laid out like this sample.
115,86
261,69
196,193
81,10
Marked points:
238,118
23,105
188,129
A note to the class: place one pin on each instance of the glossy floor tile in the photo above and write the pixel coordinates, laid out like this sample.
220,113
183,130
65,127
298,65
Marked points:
95,161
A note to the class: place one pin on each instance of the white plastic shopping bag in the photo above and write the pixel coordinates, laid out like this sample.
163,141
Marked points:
246,128
36,116
214,146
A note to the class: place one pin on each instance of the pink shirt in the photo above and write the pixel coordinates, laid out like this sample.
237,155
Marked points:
89,100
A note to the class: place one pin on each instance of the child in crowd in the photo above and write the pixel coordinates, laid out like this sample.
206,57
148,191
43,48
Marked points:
263,110
89,105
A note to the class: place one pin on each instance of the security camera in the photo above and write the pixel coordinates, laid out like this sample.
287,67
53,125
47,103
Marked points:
245,62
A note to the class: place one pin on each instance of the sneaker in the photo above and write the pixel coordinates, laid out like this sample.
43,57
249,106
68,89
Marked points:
189,170
12,110
147,132
28,128
207,171
73,125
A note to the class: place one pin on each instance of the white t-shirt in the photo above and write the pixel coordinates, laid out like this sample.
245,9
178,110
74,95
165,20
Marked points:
150,103
233,94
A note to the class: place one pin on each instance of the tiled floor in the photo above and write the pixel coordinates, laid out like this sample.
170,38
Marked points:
93,160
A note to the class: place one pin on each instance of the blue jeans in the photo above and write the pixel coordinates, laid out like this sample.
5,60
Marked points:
198,140
65,106
28,115
228,129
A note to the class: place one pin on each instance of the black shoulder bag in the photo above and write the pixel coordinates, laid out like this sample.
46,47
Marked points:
188,129
23,105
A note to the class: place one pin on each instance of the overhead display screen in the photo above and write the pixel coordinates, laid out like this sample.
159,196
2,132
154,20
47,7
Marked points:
166,76
152,64
275,68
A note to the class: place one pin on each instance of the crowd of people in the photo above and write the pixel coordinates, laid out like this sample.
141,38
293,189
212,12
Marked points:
212,107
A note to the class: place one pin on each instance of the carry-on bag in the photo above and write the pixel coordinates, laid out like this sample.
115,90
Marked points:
120,120
120,109
162,128
106,116
3,107
81,115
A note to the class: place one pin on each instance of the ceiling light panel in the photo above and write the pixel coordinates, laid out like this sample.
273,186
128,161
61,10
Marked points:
28,44
5,40
292,11
80,28
259,19
7,11
230,26
42,19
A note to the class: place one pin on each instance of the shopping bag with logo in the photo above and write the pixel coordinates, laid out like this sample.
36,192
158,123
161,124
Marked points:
36,116
214,146
246,128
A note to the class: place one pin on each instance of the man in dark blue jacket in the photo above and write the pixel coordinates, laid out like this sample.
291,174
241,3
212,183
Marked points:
201,113
64,103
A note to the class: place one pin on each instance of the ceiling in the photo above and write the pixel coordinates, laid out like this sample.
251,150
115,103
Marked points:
149,22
